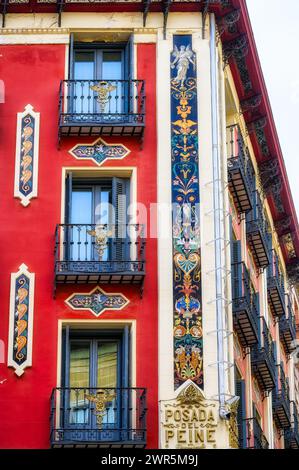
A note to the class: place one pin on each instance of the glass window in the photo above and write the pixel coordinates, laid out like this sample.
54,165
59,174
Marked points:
84,65
93,370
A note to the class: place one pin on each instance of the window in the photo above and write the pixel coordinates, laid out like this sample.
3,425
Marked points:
95,366
92,206
100,73
98,64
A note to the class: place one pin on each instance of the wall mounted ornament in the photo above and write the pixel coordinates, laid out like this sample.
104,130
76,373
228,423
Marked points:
97,301
188,347
21,320
27,150
99,151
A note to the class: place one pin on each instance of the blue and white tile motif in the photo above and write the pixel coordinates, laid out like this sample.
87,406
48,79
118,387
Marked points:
188,347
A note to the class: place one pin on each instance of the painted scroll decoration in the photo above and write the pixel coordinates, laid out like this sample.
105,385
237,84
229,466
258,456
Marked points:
21,320
99,151
97,301
26,165
188,347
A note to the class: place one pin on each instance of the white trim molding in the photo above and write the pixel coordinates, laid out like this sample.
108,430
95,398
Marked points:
20,334
27,151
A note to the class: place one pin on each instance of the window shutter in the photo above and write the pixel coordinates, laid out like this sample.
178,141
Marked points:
126,394
236,270
259,328
241,416
129,58
119,202
68,197
130,90
65,356
71,57
125,357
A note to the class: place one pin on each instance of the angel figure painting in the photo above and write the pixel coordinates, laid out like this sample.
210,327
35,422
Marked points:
183,57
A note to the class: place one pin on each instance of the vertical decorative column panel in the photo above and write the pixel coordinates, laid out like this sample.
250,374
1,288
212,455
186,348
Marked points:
188,347
21,320
26,165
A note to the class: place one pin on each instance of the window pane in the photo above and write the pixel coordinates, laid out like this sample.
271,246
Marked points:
83,70
81,206
107,378
81,213
84,66
112,66
79,378
79,365
107,365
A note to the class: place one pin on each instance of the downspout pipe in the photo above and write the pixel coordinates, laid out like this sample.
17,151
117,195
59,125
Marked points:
218,232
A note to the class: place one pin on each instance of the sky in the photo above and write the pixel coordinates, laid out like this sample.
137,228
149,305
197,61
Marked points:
275,25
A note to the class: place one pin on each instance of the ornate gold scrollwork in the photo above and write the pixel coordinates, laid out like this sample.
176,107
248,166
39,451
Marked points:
103,89
100,399
101,234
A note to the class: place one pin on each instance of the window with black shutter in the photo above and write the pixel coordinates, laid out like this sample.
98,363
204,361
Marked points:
94,203
241,417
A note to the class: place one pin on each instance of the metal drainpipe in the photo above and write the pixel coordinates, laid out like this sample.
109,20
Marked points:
218,210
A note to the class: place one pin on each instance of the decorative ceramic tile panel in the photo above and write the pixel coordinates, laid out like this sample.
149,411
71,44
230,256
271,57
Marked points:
99,151
26,165
21,320
188,347
97,301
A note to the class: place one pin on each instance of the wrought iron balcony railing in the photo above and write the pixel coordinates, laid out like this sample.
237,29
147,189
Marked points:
101,417
263,361
245,306
101,107
257,233
275,287
287,328
240,170
256,438
291,435
281,401
106,254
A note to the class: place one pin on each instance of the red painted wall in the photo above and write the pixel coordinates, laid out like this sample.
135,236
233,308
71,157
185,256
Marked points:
31,74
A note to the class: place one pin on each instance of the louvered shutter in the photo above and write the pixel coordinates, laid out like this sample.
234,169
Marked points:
241,416
236,270
119,201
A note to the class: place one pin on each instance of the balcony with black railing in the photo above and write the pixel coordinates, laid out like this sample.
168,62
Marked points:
287,328
291,435
100,254
240,170
245,306
103,417
275,287
281,401
256,438
257,233
263,359
101,107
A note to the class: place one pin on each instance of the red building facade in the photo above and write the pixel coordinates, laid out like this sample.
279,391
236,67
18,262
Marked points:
38,222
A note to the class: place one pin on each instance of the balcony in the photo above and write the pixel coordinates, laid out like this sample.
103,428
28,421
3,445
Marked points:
106,108
257,235
263,359
287,328
99,254
291,435
256,438
240,172
275,288
245,306
281,402
102,418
